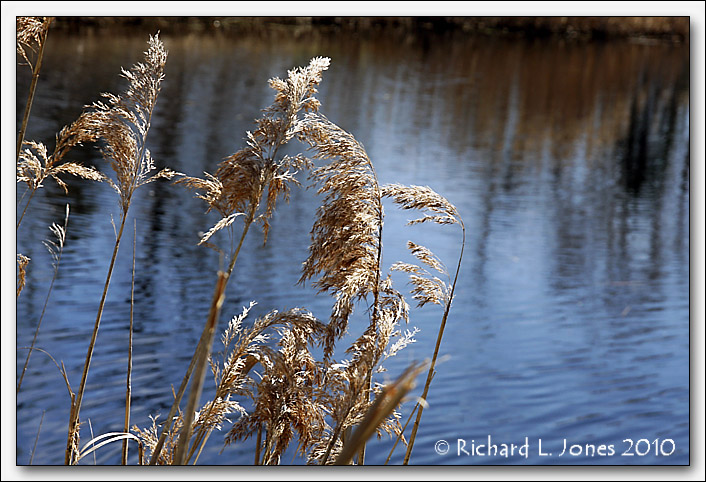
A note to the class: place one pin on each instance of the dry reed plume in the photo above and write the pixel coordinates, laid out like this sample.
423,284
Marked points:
244,178
345,259
346,247
123,124
31,33
283,399
36,164
348,384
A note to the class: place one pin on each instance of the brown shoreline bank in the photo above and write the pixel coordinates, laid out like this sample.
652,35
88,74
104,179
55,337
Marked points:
573,28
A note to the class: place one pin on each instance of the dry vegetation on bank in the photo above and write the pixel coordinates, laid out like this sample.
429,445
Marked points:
577,28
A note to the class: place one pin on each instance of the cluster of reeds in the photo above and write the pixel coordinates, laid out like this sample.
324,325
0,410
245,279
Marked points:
269,383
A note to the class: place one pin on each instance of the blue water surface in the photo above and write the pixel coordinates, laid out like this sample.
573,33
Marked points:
568,162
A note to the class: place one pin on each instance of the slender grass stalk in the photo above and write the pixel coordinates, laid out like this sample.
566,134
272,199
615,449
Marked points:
376,294
73,426
431,372
199,374
36,439
19,221
128,388
60,233
41,40
266,445
62,368
177,400
401,434
399,437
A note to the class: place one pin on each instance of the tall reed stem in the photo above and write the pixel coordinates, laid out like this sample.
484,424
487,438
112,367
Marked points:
128,389
258,444
69,457
31,195
404,427
125,125
430,373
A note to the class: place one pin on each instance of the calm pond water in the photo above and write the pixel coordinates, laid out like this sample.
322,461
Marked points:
569,163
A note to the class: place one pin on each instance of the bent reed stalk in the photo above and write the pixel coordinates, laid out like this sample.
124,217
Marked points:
201,362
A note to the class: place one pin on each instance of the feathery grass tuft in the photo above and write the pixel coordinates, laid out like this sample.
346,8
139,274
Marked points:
31,31
427,288
284,399
255,174
150,436
123,123
35,164
437,208
22,262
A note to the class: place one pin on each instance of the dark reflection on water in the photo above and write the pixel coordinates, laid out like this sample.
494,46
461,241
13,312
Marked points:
568,162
